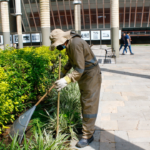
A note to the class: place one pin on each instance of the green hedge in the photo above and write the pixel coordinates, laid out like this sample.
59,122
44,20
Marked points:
25,74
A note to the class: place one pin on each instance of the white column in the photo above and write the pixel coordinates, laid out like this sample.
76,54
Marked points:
19,23
5,23
45,21
77,16
114,12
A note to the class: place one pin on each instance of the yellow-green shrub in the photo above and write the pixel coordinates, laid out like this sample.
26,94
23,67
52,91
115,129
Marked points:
24,75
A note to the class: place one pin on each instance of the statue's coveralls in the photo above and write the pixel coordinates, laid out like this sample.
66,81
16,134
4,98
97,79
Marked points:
88,75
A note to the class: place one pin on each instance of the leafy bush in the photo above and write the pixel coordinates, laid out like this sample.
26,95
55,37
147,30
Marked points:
25,74
41,140
70,111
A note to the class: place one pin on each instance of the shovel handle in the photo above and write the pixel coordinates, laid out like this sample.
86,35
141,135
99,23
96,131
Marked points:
45,95
58,101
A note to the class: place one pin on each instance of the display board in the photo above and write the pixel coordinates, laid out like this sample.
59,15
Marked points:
35,37
1,39
15,38
10,39
26,38
105,35
95,35
119,34
85,35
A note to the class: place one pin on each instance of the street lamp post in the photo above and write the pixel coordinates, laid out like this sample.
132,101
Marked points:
5,22
77,16
45,21
19,24
115,25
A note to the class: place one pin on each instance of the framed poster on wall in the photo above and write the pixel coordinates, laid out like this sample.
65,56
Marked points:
1,39
95,35
120,34
85,35
105,34
15,38
10,39
35,37
26,38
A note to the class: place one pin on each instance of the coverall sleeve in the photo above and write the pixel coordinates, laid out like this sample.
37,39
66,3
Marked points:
67,67
77,57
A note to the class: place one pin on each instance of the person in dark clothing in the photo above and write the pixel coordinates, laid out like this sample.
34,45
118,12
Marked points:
122,41
127,44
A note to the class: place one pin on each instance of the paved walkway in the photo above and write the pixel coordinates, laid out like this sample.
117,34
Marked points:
123,121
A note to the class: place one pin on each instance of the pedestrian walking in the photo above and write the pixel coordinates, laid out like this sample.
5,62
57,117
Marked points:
127,44
86,72
122,41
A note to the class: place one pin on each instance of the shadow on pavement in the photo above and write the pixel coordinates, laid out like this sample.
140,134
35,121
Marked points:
126,73
105,140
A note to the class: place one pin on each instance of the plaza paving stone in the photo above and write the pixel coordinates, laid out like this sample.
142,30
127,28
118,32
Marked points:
123,121
121,136
126,125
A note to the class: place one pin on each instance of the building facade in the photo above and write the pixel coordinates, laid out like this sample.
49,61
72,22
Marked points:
134,16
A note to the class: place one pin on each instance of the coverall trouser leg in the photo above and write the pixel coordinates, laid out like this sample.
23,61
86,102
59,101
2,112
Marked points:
90,84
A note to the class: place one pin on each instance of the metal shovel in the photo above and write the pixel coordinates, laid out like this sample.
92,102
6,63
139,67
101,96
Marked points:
19,126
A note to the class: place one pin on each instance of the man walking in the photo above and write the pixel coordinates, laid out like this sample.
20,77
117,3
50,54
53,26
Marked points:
86,72
127,44
122,41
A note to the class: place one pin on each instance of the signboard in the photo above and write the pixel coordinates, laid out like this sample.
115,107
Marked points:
35,37
26,38
119,34
41,36
1,39
95,35
15,38
105,35
85,35
10,39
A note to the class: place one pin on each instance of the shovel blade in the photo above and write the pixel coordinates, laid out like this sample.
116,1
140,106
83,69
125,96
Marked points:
19,126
